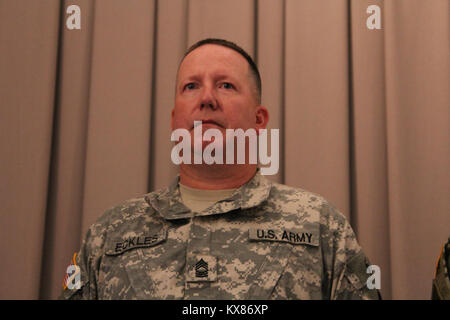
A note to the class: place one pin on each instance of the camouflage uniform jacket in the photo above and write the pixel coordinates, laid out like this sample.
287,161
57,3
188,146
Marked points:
267,241
441,281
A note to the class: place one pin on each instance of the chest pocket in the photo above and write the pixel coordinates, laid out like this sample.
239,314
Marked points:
282,243
124,269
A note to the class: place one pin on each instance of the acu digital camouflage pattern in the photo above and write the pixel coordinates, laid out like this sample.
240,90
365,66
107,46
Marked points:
267,241
441,281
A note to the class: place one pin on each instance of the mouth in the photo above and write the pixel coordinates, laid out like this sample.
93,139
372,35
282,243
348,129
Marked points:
207,122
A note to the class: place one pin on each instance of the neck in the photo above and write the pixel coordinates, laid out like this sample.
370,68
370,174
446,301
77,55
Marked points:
216,177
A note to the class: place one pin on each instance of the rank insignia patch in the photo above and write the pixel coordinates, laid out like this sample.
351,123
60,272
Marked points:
201,268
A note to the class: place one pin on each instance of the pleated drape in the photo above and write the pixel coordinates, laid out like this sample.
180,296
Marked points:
85,120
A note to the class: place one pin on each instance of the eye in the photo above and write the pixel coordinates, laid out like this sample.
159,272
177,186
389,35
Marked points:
227,85
189,86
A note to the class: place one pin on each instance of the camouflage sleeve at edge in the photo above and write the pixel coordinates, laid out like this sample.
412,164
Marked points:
349,267
352,281
85,260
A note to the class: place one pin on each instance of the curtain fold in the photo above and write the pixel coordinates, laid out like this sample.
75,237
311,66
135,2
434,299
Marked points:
85,120
370,207
172,20
28,60
417,114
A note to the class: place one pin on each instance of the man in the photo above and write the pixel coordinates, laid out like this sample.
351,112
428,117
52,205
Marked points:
221,231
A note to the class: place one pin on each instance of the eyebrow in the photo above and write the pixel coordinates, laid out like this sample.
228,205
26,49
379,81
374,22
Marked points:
219,76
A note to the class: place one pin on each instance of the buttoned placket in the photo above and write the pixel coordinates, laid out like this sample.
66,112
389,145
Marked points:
201,263
200,284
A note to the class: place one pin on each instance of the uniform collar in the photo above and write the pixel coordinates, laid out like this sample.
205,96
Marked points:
168,201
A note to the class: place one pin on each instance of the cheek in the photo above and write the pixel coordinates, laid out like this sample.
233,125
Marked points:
241,116
180,115
179,121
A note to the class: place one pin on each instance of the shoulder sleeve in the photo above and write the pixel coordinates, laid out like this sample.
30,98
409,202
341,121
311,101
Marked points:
441,281
87,261
353,282
346,264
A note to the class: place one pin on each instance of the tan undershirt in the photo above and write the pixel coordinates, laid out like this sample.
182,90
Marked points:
198,200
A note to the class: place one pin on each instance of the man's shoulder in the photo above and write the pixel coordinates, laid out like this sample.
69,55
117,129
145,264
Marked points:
126,212
296,200
287,194
130,218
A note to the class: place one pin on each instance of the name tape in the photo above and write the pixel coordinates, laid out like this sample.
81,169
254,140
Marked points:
141,241
282,235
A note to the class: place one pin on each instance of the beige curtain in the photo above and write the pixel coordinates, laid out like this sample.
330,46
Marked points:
85,119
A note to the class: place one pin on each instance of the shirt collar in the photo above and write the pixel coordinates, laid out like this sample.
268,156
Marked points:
168,201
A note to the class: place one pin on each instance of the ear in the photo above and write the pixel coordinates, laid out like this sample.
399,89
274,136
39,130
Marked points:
262,118
171,120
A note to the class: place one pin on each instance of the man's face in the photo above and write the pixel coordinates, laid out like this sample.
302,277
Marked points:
214,85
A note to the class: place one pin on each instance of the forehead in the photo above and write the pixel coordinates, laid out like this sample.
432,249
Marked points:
211,58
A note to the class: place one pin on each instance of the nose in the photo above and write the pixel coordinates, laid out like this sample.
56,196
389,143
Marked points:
208,99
